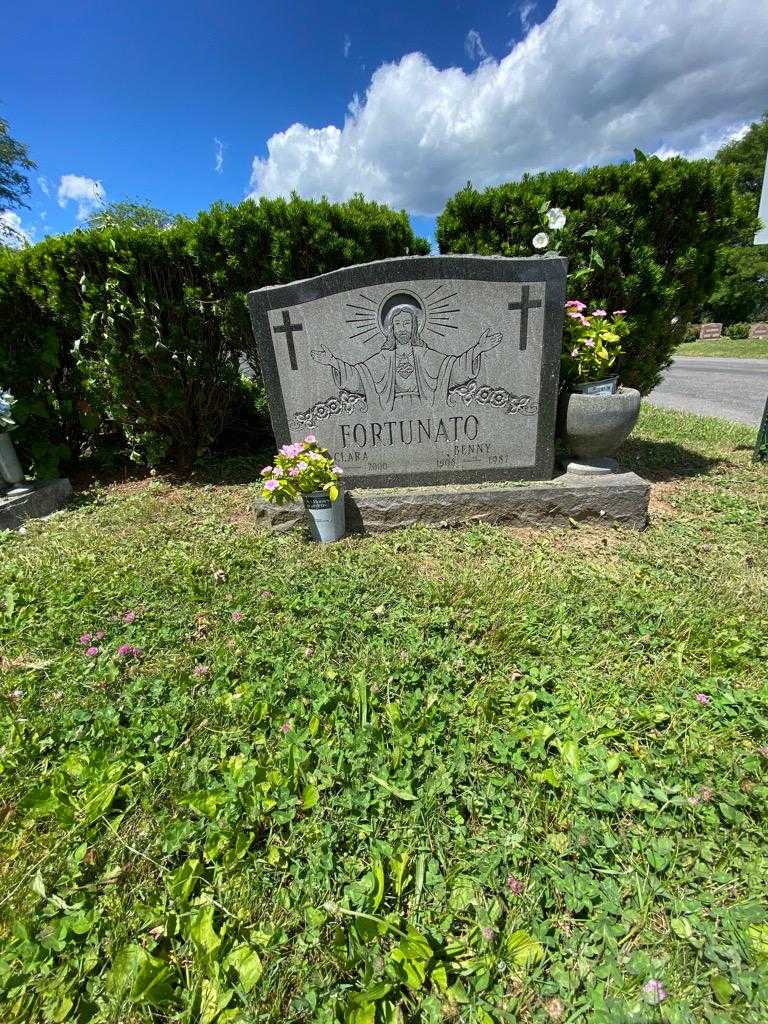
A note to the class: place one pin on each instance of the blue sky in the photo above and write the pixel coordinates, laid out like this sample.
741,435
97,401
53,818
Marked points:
402,101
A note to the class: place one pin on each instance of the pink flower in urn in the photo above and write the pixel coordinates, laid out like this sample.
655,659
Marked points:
337,470
619,312
310,439
301,466
266,471
574,353
294,471
575,304
599,312
589,342
271,485
278,472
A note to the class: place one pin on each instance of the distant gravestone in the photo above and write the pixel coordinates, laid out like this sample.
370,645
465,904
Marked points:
758,331
419,370
710,332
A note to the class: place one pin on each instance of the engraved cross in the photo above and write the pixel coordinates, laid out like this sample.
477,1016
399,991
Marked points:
524,305
288,329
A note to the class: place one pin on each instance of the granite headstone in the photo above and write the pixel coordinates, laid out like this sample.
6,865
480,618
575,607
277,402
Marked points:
758,331
710,332
419,370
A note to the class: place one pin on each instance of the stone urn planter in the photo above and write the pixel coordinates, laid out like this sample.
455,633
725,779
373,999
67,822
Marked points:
10,467
594,426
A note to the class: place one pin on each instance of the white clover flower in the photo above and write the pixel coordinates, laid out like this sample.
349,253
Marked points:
540,241
556,218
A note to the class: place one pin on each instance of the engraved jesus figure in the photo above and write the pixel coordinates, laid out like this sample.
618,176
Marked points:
406,372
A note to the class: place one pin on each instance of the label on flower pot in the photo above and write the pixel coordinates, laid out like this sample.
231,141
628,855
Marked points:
317,501
598,387
418,370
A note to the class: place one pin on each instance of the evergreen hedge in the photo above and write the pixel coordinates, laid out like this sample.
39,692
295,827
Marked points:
641,237
132,338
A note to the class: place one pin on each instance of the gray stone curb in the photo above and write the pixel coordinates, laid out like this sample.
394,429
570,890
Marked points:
32,501
619,498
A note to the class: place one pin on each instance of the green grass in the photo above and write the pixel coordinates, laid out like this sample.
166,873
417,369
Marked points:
737,348
434,776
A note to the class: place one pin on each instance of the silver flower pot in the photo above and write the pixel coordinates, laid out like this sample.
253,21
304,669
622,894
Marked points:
10,467
594,426
327,521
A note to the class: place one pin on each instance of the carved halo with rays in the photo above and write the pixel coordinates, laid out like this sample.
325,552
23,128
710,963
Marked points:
435,311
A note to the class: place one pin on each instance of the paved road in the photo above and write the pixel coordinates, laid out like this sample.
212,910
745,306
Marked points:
733,389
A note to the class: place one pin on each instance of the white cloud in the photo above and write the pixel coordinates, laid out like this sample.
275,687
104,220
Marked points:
12,232
43,185
473,46
707,144
88,193
347,46
219,155
586,86
525,12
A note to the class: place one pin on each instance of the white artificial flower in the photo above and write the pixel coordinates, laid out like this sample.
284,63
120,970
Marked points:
7,402
540,241
556,218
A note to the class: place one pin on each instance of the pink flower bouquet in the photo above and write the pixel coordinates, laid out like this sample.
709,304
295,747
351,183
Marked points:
300,468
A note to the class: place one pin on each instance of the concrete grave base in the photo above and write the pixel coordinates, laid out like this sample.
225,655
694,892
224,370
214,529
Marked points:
20,502
617,498
593,466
